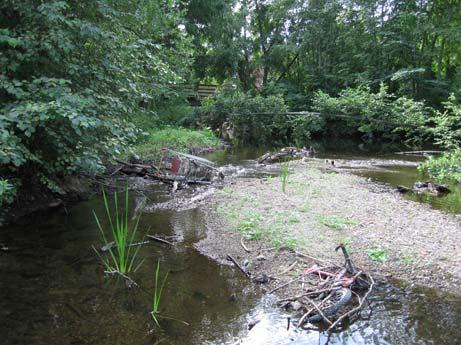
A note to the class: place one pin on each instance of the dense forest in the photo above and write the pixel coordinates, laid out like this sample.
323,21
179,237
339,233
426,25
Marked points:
83,80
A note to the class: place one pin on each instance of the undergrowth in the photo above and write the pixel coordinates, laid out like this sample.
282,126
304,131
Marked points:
447,167
175,138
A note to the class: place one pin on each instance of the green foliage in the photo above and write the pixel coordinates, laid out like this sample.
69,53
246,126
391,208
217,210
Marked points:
250,227
447,167
447,129
256,119
375,115
159,284
377,254
176,115
178,139
53,130
72,73
123,256
284,174
303,47
304,127
7,192
335,222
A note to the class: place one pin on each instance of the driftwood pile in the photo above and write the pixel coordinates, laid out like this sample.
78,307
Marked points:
286,153
329,294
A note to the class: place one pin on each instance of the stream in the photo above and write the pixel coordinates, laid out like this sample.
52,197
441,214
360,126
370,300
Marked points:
53,290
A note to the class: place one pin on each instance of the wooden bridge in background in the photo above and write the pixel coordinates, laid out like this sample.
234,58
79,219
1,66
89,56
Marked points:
197,93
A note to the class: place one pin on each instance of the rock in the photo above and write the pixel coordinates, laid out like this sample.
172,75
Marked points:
419,184
246,263
430,187
253,323
441,188
261,279
296,305
261,257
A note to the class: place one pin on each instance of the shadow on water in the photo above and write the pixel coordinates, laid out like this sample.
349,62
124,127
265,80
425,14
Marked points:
53,290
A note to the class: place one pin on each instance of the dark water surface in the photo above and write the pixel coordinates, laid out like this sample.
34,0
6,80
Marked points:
53,289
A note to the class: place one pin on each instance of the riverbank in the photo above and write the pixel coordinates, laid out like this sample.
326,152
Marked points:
34,197
322,207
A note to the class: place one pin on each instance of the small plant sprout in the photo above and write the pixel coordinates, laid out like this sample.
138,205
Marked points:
377,254
122,256
336,222
159,284
284,174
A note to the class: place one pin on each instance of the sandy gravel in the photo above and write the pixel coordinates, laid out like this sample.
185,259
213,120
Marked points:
322,208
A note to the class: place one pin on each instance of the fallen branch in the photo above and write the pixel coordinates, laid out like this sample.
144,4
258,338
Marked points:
319,311
247,274
316,259
122,275
283,285
161,240
301,320
244,246
116,170
418,153
289,268
307,294
172,318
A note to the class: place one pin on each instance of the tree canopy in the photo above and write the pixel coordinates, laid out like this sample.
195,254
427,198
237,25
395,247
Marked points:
413,46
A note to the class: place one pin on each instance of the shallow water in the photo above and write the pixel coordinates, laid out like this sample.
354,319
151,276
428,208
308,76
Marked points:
382,167
53,289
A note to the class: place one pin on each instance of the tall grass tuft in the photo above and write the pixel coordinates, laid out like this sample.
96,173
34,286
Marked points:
122,255
158,290
284,173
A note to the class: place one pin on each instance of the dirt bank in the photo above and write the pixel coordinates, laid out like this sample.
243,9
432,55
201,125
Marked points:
321,208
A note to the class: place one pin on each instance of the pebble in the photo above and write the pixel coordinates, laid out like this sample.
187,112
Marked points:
296,305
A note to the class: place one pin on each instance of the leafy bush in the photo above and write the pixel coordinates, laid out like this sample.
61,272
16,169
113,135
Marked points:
447,167
256,119
447,129
375,115
176,115
7,192
304,127
71,75
51,130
